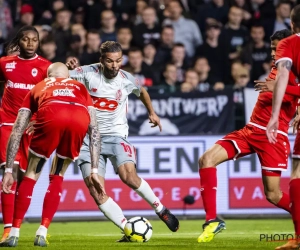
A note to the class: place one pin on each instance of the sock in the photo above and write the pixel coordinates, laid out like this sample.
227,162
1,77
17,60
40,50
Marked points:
14,232
284,202
295,203
147,194
42,231
113,212
8,204
52,199
23,199
208,184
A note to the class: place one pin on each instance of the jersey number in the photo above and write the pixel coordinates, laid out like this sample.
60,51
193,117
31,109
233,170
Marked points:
105,104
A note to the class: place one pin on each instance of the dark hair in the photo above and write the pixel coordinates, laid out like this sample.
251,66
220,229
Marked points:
281,34
178,45
283,2
48,39
166,27
124,27
93,31
257,25
63,10
135,49
13,45
167,65
295,16
110,47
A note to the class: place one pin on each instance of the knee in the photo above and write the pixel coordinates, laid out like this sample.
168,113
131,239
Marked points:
273,196
206,160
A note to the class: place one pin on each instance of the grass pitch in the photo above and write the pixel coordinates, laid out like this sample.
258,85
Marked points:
101,235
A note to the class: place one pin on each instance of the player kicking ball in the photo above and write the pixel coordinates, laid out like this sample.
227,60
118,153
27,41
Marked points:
248,140
57,101
109,87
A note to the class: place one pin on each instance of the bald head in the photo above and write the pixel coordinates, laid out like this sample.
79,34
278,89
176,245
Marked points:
58,70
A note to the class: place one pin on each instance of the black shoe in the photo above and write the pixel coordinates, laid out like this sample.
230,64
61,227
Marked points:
169,219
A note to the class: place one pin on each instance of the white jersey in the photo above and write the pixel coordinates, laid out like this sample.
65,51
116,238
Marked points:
110,97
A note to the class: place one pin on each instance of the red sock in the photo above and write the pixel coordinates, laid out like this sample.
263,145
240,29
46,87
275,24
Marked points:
208,184
284,202
295,203
52,199
23,199
7,204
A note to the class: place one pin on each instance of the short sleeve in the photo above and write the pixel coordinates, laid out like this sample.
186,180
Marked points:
132,84
284,51
28,103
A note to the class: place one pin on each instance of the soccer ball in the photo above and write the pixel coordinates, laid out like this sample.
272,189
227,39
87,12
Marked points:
138,229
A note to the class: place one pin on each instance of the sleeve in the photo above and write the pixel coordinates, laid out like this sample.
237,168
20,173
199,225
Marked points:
29,103
284,51
132,85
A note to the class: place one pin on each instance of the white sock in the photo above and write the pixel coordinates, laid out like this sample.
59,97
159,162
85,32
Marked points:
14,232
42,231
147,194
114,213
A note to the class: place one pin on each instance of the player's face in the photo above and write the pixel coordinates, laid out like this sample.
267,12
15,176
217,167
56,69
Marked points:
29,44
273,48
112,62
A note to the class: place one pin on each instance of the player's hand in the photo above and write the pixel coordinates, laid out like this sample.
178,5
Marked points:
272,130
295,124
72,64
7,182
97,185
266,86
30,128
154,119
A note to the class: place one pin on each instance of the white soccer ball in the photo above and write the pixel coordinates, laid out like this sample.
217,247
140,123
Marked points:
138,229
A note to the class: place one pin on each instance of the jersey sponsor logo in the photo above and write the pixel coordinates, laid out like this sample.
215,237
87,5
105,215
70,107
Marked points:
63,92
119,95
34,72
10,66
104,104
17,85
94,89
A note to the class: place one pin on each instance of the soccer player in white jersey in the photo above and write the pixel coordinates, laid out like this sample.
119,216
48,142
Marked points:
109,87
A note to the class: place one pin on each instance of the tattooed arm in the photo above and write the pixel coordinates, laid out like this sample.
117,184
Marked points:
282,78
94,136
20,125
283,71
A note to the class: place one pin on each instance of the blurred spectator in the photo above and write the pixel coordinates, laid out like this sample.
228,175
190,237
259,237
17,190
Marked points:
148,31
256,53
267,69
214,50
241,79
263,9
6,22
170,83
215,9
163,53
79,15
186,87
192,77
149,52
26,18
140,6
234,35
124,37
91,53
178,58
108,26
76,47
186,31
48,48
43,30
78,29
62,31
138,68
247,10
281,21
206,80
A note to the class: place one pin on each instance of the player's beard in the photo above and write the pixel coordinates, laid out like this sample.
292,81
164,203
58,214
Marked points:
111,73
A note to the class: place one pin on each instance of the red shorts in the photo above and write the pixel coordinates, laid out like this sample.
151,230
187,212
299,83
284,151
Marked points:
296,150
22,154
251,139
60,127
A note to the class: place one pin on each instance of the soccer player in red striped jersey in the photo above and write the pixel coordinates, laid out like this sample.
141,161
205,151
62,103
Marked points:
20,72
287,60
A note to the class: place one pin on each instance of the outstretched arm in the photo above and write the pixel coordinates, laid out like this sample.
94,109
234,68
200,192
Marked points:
20,125
145,98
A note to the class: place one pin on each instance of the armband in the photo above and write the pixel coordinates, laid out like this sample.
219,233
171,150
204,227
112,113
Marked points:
94,170
8,170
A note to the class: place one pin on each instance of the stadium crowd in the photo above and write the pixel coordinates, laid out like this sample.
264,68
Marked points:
187,45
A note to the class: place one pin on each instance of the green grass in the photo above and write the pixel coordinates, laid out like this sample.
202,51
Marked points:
240,235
